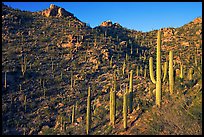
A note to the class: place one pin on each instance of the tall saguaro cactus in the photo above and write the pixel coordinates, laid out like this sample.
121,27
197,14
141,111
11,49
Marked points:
131,92
88,113
158,70
125,108
171,72
112,106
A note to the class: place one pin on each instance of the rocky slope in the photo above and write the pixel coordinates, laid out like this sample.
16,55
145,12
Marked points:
63,56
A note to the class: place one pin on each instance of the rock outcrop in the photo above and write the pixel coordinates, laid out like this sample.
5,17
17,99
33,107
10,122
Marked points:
56,11
197,20
107,23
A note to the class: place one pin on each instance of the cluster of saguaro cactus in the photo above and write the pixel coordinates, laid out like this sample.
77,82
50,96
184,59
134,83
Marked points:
23,66
88,112
158,70
112,106
131,92
125,108
171,72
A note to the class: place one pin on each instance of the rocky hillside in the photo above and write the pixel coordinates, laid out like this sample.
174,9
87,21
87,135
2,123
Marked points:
50,58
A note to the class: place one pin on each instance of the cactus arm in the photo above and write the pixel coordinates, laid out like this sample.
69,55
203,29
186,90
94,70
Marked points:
151,70
165,71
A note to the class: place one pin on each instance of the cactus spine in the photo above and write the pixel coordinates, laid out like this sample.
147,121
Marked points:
131,92
125,108
88,113
158,70
171,72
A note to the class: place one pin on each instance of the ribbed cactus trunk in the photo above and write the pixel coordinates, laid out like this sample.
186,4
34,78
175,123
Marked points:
171,73
88,113
125,109
158,85
131,92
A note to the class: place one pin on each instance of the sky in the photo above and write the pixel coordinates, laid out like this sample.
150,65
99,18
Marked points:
140,16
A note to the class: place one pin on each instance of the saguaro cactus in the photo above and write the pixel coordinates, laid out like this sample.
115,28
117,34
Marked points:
125,108
88,113
158,70
73,114
124,66
23,66
5,81
181,71
137,71
171,72
112,106
145,71
131,92
190,74
111,62
25,103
